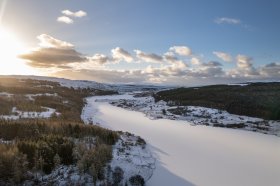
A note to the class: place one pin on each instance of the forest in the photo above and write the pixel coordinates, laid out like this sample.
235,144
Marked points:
255,99
37,146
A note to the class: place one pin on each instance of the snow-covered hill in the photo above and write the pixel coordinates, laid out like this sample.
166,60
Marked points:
122,88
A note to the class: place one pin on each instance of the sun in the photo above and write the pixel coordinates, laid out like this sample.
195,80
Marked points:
10,47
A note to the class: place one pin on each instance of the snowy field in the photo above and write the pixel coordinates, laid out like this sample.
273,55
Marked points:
195,155
17,114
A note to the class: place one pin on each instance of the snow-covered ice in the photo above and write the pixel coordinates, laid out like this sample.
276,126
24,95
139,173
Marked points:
195,155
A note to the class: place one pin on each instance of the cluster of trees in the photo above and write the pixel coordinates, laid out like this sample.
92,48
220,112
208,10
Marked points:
40,146
118,176
5,106
94,160
256,99
13,164
34,129
45,153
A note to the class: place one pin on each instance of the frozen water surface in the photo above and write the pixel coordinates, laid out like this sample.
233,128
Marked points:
195,155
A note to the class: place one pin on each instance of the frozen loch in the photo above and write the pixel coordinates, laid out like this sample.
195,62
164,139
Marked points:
195,155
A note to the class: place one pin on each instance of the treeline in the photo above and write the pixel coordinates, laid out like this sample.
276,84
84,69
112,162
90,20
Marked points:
256,99
35,128
40,146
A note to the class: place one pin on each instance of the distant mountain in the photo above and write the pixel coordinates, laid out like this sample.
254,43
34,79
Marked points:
122,88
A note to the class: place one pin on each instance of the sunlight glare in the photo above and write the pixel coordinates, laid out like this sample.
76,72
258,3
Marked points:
11,47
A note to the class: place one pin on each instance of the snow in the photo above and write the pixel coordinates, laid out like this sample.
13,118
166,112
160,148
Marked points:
67,82
6,94
17,114
62,176
31,96
2,141
200,155
132,158
46,86
196,115
130,155
238,84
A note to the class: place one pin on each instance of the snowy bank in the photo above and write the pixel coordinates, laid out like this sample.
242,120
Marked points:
196,115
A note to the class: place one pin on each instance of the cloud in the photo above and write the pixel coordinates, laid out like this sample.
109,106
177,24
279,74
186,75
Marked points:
244,68
207,72
52,57
79,13
170,68
176,69
100,59
48,41
271,70
211,64
65,19
195,61
181,50
170,57
224,56
108,76
243,61
151,57
119,54
52,53
226,20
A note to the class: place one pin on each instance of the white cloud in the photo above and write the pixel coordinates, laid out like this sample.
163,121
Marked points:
181,50
195,61
148,57
48,41
244,68
227,20
224,56
243,61
65,19
121,54
79,13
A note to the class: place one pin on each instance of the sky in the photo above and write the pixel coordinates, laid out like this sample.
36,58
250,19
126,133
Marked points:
178,42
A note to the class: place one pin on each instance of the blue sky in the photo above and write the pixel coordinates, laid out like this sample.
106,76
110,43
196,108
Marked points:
248,28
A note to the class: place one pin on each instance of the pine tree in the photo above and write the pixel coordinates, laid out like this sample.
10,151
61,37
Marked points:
56,160
93,173
20,166
117,175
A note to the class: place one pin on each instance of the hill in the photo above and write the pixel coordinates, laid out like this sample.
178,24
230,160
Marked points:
254,99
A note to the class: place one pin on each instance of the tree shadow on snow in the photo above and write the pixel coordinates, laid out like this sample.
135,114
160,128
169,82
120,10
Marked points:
162,176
